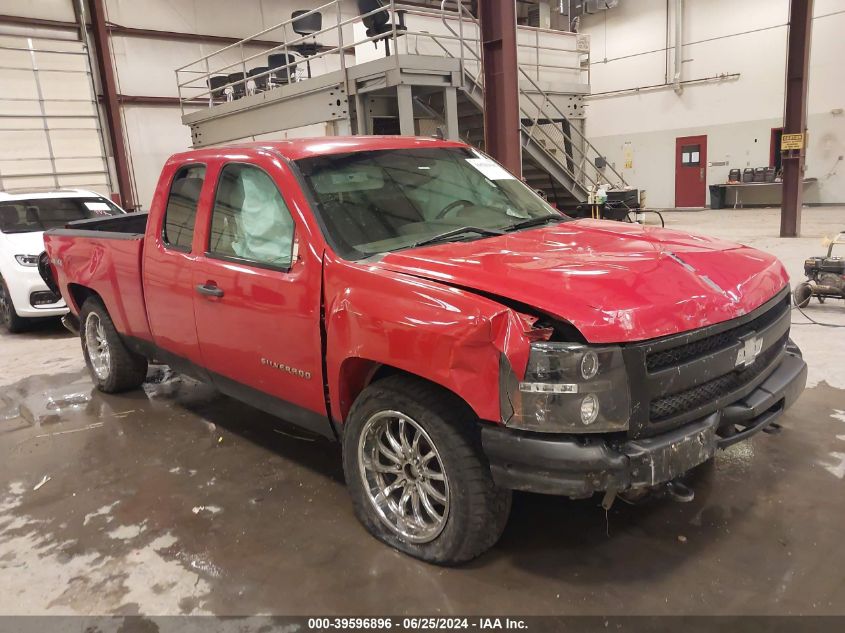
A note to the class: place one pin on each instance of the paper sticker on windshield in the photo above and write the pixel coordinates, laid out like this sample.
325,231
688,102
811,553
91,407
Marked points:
490,169
97,206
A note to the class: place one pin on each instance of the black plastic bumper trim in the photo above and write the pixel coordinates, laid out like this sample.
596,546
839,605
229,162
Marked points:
766,403
580,466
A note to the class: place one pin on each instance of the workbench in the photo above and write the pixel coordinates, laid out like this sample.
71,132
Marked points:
770,193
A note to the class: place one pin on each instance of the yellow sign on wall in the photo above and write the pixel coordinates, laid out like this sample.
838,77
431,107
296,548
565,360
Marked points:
792,141
628,154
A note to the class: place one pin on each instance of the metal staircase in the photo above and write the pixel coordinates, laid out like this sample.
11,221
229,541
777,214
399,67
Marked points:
556,157
546,163
440,81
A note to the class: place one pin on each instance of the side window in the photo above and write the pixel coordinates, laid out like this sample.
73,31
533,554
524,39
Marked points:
250,220
178,228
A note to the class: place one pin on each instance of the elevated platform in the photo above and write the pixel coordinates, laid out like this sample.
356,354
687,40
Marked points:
323,99
402,69
411,71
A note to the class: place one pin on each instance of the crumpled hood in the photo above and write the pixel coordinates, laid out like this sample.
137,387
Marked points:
615,282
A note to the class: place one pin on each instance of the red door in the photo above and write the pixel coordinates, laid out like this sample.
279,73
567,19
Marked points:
257,300
169,256
690,171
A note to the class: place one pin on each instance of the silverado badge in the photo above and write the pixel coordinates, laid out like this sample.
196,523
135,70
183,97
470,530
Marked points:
299,373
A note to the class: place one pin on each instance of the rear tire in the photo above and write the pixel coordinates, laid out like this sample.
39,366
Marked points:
9,319
433,460
113,367
801,295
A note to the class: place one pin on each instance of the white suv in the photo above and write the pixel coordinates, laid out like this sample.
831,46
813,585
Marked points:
23,219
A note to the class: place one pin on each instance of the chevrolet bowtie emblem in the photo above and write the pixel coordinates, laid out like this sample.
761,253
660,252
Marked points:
750,347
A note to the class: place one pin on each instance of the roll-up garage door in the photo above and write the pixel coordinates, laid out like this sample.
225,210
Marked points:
50,133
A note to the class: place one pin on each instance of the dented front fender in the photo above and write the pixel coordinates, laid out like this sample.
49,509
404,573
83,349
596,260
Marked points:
449,336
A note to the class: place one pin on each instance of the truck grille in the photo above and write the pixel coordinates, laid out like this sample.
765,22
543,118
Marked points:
672,393
696,349
715,389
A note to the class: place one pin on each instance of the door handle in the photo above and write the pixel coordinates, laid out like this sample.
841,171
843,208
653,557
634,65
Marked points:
701,175
210,290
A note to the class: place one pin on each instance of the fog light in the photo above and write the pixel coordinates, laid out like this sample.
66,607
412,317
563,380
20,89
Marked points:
589,408
43,298
589,365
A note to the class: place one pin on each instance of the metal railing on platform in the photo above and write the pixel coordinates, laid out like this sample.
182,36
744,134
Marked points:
545,57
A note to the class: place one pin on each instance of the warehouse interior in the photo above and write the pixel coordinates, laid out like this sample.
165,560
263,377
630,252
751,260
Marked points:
714,119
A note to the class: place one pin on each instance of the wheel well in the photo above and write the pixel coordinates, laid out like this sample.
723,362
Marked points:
80,294
383,371
356,374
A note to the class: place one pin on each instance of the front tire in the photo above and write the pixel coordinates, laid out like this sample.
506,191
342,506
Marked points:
416,473
113,367
9,319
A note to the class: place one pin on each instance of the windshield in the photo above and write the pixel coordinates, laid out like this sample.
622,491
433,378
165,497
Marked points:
386,200
40,214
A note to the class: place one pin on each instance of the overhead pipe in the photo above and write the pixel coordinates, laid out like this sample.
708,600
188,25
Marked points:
685,82
679,44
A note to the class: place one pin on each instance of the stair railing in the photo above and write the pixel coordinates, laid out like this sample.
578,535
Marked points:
580,177
582,146
474,86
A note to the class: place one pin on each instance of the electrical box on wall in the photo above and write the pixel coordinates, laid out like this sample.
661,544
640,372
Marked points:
574,8
594,6
582,43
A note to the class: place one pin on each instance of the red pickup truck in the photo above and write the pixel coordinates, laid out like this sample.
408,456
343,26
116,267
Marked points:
462,339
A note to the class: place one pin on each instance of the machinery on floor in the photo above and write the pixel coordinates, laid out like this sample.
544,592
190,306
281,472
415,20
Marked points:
825,276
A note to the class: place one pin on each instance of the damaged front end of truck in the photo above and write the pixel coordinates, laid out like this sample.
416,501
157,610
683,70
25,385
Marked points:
585,419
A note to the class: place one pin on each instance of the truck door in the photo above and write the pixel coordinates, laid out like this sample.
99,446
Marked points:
257,302
169,257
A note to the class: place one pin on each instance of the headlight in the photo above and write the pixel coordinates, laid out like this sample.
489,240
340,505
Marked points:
568,388
27,260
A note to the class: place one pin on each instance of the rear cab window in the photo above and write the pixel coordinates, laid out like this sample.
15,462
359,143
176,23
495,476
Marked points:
177,231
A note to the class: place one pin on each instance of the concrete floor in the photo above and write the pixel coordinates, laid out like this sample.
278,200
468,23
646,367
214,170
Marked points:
176,500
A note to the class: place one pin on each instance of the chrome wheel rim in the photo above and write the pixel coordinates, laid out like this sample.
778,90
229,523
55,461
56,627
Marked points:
403,476
97,346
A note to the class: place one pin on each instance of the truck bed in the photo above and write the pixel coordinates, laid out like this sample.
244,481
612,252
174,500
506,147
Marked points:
128,224
103,255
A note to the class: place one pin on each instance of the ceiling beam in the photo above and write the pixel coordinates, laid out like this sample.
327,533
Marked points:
19,20
181,36
130,31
